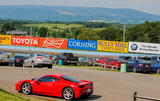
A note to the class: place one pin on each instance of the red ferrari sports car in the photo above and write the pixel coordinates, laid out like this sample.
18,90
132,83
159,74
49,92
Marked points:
58,85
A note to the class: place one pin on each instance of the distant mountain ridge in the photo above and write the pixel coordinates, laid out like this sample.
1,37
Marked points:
70,14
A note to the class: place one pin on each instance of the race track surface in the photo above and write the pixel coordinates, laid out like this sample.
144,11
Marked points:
109,86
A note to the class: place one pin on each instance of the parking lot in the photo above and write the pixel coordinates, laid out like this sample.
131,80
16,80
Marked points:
109,86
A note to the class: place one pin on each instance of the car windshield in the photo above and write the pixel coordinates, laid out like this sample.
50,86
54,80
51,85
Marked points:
21,57
42,55
145,58
127,58
101,58
155,62
119,60
67,78
143,61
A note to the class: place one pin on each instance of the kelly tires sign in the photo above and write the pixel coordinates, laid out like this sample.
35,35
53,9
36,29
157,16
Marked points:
112,46
82,44
140,47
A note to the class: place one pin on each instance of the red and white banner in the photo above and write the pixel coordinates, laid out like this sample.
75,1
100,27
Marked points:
25,41
53,43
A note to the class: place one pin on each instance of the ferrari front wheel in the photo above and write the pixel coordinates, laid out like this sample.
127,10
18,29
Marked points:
26,88
68,94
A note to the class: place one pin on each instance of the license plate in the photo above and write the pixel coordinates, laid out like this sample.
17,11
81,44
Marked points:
146,65
89,90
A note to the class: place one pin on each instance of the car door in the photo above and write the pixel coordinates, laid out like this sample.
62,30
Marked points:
155,65
46,85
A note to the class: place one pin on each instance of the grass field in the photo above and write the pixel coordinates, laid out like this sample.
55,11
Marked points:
88,67
6,96
55,27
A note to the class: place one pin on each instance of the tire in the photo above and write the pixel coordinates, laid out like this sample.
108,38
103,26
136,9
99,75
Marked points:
158,71
68,94
32,64
49,66
26,88
134,69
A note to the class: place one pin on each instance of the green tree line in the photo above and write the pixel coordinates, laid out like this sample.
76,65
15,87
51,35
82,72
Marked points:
146,32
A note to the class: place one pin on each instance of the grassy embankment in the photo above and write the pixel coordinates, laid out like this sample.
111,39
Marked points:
6,96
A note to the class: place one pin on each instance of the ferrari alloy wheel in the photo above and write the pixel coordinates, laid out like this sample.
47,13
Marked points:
26,88
33,64
68,94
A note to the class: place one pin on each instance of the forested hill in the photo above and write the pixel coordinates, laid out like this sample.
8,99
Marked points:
69,14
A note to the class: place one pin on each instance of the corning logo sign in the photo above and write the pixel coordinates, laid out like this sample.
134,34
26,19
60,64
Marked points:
82,44
54,43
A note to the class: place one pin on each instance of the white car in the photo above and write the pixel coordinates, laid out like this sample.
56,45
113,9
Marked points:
39,60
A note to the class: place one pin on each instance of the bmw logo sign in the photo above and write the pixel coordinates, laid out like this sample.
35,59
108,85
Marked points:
134,46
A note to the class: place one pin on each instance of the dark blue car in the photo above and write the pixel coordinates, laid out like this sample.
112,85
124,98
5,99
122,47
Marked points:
138,65
156,66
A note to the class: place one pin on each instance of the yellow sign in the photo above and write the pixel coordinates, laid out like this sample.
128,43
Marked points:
112,46
5,39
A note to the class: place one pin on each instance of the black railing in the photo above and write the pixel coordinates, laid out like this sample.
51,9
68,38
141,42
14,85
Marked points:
135,97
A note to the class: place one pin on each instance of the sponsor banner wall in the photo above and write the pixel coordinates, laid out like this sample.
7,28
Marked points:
53,43
5,39
140,47
82,44
112,46
25,41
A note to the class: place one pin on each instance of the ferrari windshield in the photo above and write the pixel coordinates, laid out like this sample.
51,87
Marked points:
67,78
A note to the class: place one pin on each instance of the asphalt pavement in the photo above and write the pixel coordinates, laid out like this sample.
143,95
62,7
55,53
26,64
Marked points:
109,86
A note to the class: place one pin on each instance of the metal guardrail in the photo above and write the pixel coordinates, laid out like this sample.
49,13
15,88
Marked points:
135,97
103,66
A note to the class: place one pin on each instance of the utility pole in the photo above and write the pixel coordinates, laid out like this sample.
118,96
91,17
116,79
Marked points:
124,31
30,37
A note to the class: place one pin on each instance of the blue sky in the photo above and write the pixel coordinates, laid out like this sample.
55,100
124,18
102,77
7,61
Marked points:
149,6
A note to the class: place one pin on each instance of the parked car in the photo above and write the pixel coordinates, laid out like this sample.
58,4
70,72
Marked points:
91,61
38,60
83,61
156,66
68,58
125,58
101,60
113,63
4,58
54,58
139,65
58,85
17,60
155,58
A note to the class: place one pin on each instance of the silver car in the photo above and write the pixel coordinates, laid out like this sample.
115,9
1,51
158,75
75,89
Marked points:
38,60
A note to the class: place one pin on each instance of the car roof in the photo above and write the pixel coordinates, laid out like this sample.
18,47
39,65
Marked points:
55,75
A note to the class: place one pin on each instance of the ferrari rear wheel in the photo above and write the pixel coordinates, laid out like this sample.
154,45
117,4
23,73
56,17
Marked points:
68,94
26,88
